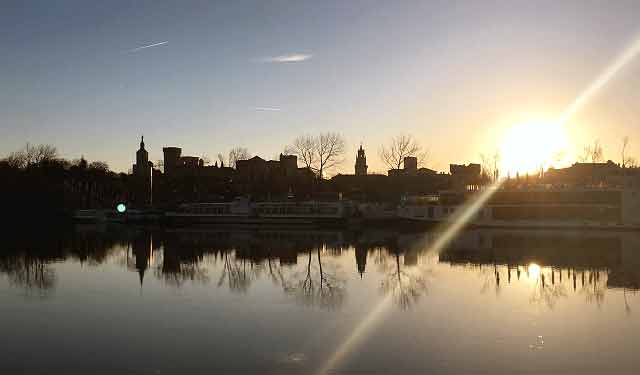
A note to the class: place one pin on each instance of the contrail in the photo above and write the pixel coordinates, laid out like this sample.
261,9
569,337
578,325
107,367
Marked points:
271,109
148,46
289,58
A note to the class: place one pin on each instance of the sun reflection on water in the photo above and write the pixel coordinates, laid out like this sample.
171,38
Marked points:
533,271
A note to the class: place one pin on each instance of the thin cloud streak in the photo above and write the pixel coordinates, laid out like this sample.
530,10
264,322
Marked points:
268,109
289,58
148,46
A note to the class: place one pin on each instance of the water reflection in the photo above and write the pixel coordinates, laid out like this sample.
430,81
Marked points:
307,266
317,285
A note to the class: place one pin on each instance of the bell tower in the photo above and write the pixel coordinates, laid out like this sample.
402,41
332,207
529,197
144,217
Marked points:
142,177
361,163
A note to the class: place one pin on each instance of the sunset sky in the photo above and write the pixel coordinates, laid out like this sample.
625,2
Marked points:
214,75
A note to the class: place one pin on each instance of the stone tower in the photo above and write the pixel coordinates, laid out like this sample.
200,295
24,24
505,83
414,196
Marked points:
361,163
142,177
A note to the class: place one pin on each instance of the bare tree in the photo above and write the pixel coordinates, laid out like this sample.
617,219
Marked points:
623,152
490,166
41,153
319,153
99,166
221,159
238,153
205,159
496,165
330,148
592,153
627,161
159,164
32,155
304,148
17,159
399,148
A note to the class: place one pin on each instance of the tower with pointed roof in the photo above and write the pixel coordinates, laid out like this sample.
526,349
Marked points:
142,177
361,163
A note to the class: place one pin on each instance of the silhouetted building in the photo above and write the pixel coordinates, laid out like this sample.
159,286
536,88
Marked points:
361,163
171,159
465,176
142,177
272,179
410,168
411,164
591,174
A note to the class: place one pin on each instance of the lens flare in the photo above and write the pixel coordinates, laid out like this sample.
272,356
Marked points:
620,62
534,270
465,213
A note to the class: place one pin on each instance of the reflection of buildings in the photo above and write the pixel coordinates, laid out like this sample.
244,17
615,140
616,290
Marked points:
615,252
361,259
142,252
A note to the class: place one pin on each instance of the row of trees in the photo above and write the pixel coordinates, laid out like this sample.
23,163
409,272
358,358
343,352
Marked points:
594,153
325,151
47,155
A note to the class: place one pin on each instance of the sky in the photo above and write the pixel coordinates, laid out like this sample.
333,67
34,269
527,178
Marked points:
90,77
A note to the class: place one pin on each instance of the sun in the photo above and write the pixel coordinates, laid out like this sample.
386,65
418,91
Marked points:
529,146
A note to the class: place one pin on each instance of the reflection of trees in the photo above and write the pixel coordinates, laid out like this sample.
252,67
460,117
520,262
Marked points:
275,271
28,272
491,278
627,307
547,294
178,268
318,285
405,285
238,273
595,287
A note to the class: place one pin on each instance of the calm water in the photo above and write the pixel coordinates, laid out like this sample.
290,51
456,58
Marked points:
103,299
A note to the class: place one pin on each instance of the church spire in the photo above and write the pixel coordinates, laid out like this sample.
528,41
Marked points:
142,143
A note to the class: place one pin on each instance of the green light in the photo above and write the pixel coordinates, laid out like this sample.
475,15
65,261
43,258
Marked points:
121,208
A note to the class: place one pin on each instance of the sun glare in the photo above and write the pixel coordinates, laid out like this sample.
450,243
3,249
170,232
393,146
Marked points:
533,270
529,146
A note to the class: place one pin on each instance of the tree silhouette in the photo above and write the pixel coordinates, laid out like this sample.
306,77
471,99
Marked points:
318,285
28,272
400,147
404,286
236,273
592,153
319,153
545,293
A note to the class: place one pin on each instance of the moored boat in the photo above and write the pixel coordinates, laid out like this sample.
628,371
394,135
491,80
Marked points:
598,208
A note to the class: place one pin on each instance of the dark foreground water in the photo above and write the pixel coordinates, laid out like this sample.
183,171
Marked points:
113,300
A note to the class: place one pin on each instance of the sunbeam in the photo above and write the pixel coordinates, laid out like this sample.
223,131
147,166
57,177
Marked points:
465,213
612,69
